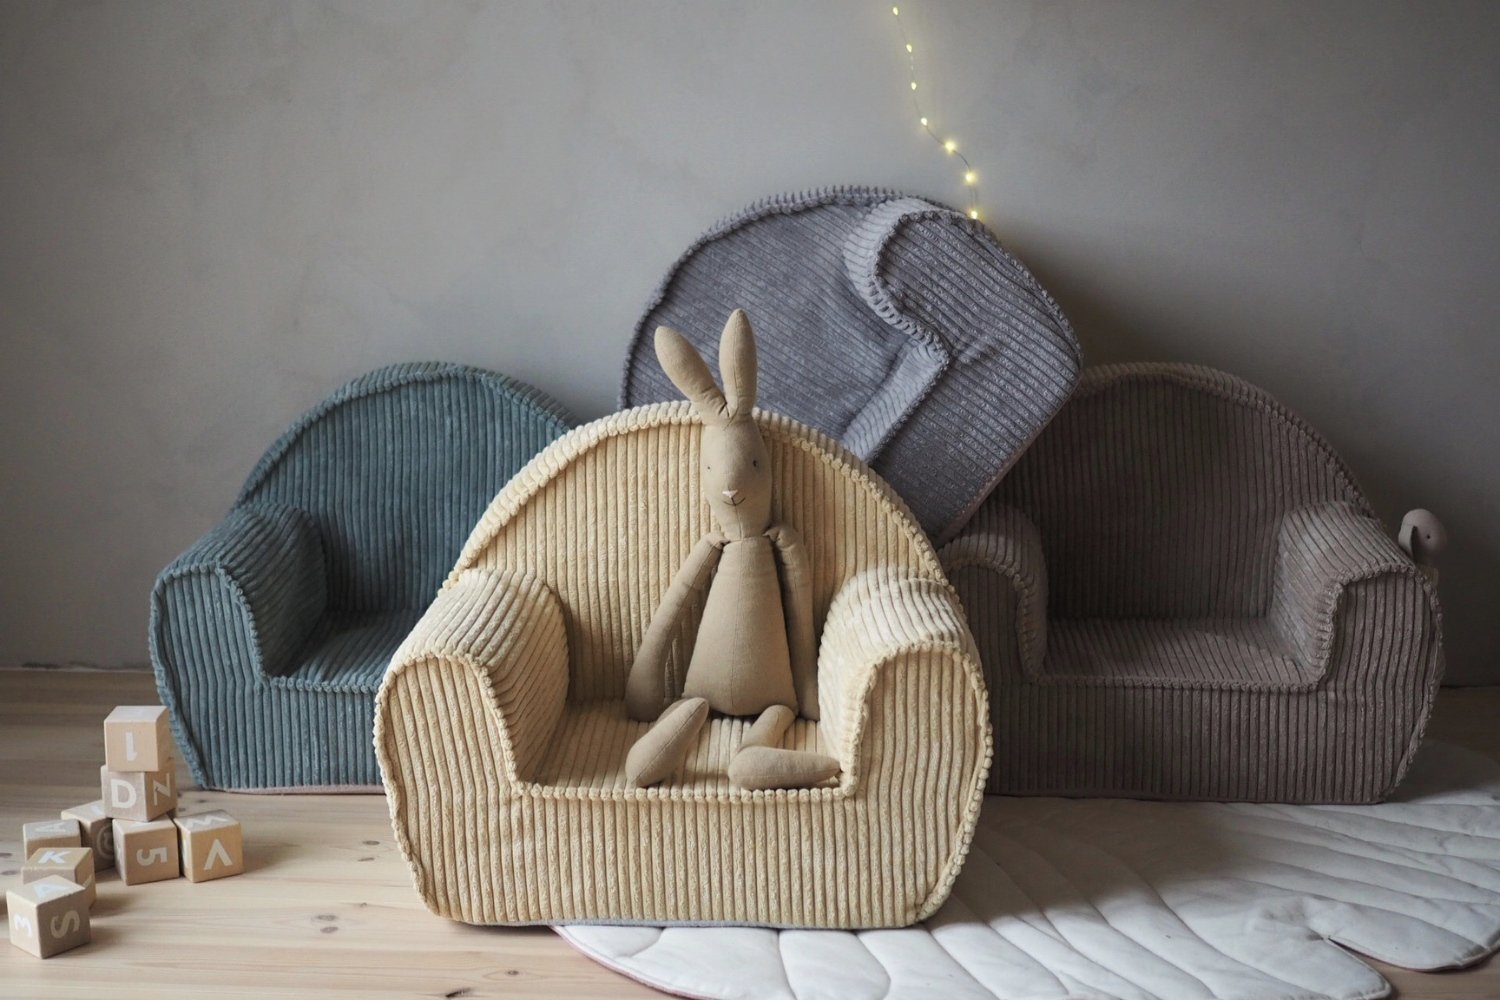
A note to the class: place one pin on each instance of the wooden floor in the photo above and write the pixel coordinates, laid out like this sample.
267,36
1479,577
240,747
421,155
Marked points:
326,906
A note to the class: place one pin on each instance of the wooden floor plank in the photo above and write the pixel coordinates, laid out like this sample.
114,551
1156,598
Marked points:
326,907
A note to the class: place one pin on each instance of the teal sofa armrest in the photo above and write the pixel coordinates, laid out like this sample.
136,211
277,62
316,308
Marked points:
245,596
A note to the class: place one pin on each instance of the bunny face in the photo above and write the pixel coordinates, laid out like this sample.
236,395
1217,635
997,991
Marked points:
734,465
735,469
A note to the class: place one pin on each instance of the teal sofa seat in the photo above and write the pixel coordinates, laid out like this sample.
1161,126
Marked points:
270,634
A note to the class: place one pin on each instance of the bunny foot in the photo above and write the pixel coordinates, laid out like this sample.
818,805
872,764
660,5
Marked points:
662,750
772,767
760,763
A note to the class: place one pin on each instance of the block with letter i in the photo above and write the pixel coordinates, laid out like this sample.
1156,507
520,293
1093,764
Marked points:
50,833
48,916
138,795
136,738
94,823
213,846
146,852
76,864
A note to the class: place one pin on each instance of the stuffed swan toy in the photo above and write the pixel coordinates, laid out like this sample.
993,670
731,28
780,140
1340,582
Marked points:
756,648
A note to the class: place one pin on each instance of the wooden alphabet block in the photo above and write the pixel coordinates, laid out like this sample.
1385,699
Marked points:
138,795
213,846
94,823
50,833
137,738
76,864
48,916
146,852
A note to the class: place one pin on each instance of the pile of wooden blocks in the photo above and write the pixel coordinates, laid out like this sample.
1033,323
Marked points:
133,827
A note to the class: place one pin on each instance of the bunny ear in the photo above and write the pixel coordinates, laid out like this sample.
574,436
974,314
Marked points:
687,370
737,363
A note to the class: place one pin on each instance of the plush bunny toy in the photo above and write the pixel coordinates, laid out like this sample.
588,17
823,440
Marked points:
756,650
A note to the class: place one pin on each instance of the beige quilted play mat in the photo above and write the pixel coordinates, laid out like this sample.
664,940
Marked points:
1106,898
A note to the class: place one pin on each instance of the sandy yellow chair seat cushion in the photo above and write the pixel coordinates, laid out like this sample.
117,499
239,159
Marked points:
502,732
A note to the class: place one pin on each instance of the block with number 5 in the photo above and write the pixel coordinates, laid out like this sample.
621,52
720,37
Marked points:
146,852
212,846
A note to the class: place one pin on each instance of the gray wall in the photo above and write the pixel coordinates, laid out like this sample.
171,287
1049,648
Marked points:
213,213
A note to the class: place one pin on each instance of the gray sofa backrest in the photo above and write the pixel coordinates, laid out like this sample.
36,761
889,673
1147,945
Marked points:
895,324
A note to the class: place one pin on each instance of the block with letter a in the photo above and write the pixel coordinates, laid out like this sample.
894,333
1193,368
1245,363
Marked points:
50,833
76,864
137,738
94,823
213,846
146,852
48,916
138,795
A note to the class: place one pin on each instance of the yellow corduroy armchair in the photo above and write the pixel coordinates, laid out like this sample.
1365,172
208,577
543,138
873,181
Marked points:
501,727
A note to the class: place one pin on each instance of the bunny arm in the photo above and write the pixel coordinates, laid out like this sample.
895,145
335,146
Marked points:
797,603
646,687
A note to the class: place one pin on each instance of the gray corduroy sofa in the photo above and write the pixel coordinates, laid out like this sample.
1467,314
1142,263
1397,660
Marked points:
897,325
271,633
1180,592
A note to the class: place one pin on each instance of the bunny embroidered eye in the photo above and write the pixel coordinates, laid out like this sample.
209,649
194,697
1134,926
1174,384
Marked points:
755,462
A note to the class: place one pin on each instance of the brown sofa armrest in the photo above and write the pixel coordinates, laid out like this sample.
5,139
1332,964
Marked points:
1322,551
1010,547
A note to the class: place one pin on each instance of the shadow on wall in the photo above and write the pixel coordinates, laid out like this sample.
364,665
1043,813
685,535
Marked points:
1390,472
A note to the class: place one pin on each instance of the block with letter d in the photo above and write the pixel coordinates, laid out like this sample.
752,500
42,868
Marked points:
138,795
48,916
213,846
146,852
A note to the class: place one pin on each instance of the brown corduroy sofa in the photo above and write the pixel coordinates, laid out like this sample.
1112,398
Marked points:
502,733
1179,592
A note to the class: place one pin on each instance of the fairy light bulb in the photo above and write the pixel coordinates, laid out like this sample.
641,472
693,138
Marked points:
950,146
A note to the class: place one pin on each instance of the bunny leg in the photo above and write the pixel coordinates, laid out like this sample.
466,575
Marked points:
666,744
760,763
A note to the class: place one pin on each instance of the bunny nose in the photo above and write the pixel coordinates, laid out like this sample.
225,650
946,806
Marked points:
730,495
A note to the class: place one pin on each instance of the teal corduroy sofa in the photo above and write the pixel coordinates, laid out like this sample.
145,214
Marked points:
270,635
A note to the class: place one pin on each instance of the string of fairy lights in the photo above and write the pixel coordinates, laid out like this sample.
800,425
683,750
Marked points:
948,144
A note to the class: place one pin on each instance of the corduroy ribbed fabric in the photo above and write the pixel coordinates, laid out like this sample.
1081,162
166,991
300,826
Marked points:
1179,592
502,732
897,325
269,636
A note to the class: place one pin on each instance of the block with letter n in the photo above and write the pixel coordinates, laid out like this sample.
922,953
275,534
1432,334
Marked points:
213,846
